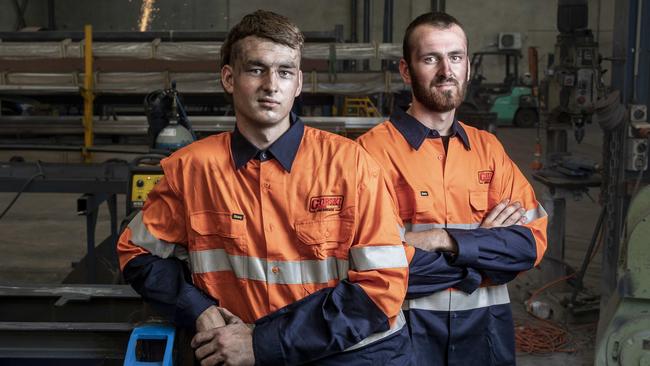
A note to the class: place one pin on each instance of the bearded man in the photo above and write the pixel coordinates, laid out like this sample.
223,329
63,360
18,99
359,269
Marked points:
458,195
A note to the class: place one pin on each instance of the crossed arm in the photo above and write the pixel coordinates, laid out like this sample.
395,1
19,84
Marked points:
440,260
438,240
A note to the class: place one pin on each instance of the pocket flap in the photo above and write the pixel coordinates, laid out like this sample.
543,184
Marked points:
479,200
423,201
316,232
226,224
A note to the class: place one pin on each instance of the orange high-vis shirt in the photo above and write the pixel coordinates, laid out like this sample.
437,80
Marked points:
454,189
266,234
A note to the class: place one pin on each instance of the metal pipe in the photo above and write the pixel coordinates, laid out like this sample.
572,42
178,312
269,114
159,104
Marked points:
366,30
438,5
388,29
354,11
533,67
37,147
51,18
388,21
87,92
366,21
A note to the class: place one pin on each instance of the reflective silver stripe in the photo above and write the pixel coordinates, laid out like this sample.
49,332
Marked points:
141,237
276,272
399,324
474,225
378,257
536,213
423,227
402,232
458,300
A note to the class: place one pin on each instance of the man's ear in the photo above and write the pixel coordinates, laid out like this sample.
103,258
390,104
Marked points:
404,71
299,89
227,78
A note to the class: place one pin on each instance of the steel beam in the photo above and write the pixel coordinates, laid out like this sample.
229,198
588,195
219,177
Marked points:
109,178
61,322
137,125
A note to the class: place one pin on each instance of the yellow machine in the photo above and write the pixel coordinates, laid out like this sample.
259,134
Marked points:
360,107
143,178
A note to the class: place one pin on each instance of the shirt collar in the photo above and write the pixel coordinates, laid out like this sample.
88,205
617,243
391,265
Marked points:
415,132
284,149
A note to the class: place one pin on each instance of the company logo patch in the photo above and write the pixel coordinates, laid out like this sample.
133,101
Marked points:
325,203
485,176
424,193
239,217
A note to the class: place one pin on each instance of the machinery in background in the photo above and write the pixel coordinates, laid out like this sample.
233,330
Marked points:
360,107
144,173
573,81
169,127
511,98
624,324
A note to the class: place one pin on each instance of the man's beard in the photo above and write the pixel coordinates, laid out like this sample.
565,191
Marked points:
439,101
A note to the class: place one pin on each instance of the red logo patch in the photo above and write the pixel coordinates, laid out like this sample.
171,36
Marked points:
325,203
485,176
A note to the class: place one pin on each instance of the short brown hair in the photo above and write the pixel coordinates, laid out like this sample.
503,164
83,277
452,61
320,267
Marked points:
263,24
435,19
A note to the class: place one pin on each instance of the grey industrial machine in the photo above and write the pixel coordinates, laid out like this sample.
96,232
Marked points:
624,325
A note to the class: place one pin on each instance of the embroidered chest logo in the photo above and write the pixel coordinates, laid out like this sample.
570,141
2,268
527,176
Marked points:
485,176
325,203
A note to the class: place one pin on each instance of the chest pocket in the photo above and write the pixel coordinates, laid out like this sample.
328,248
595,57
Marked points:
415,205
478,201
219,230
323,238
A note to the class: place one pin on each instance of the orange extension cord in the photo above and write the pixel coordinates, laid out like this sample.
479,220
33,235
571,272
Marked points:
541,335
545,336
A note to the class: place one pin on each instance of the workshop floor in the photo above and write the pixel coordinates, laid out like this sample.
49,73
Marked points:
42,235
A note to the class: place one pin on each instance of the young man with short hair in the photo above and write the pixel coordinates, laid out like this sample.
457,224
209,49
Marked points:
286,227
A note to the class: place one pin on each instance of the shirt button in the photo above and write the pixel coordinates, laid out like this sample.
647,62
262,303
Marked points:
275,269
440,157
267,185
327,233
454,315
263,156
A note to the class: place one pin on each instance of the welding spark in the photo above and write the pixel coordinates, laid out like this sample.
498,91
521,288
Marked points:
145,17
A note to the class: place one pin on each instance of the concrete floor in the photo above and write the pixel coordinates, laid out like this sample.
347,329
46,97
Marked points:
42,235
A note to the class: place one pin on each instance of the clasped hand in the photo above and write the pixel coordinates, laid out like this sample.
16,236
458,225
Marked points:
222,339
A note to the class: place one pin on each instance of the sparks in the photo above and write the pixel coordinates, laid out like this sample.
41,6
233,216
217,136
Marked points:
145,18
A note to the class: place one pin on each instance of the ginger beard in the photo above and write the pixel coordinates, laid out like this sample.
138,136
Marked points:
439,100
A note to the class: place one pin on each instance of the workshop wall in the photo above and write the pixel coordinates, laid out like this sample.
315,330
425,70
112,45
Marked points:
534,19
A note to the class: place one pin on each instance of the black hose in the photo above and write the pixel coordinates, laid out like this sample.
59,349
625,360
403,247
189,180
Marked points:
23,188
